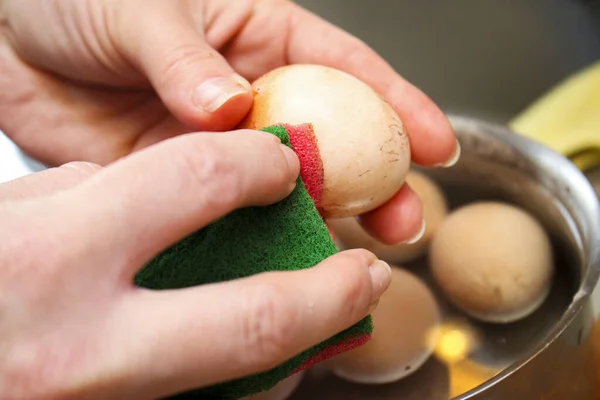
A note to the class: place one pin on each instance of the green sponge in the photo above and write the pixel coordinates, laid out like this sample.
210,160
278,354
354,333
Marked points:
288,235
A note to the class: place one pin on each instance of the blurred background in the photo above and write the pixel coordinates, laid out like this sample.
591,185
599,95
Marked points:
484,58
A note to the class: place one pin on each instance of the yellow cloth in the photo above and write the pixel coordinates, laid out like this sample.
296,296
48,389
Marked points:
567,118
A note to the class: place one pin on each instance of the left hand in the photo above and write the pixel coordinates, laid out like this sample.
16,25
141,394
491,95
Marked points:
95,81
73,325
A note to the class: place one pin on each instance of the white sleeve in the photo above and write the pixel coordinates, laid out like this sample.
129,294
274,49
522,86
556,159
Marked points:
13,163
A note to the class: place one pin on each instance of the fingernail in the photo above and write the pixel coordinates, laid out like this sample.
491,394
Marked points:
292,161
381,277
276,138
242,81
454,158
373,306
213,93
269,135
418,236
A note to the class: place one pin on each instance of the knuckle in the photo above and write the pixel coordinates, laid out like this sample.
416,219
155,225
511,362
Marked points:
19,264
48,377
279,5
84,168
207,169
183,57
268,325
23,376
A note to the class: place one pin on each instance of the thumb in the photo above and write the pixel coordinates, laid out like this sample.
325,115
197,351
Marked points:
218,332
194,80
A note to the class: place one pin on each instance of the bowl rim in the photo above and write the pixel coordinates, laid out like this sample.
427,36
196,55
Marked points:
562,169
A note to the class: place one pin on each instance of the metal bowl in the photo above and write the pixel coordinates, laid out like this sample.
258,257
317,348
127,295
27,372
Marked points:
545,356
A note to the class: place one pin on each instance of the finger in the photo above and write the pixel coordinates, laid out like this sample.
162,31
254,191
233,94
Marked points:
147,201
223,331
48,181
313,40
400,220
194,81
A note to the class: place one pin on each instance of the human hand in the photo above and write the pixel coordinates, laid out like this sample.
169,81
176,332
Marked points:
72,238
94,81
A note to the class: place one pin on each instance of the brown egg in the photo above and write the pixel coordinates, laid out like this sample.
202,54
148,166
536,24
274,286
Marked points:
362,142
350,235
405,324
282,390
493,260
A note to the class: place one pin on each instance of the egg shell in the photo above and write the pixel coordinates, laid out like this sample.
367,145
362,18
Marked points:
362,142
493,260
405,324
350,234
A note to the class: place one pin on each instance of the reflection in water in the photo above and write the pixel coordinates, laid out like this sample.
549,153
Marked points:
455,343
466,375
449,373
431,382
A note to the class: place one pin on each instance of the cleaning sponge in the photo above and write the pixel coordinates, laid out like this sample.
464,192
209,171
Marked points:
288,235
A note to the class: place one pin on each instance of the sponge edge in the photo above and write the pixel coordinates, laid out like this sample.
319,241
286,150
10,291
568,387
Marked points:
304,142
288,235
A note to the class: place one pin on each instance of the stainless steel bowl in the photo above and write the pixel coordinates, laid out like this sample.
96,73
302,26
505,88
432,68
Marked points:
546,356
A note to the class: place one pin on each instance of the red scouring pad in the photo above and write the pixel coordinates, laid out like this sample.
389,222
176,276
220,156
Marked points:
288,235
304,143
